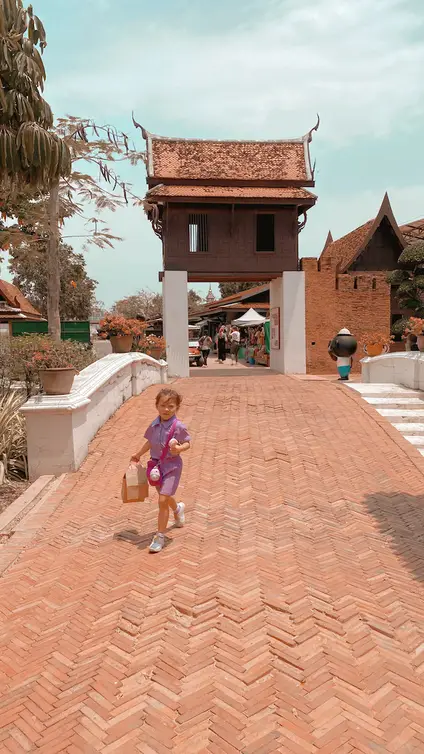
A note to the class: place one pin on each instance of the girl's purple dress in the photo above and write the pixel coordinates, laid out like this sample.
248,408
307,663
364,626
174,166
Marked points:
172,466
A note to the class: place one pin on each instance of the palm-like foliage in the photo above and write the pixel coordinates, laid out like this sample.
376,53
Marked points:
30,153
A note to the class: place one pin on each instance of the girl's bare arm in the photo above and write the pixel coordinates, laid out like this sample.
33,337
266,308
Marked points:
145,449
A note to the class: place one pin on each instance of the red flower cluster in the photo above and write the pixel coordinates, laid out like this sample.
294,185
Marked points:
113,325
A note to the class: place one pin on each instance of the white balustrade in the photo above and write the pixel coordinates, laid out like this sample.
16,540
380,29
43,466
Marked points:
60,428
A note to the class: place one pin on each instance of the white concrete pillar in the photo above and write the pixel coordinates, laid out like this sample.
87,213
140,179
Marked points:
287,293
175,322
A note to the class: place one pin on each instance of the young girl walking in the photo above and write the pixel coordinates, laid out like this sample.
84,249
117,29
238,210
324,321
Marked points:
166,439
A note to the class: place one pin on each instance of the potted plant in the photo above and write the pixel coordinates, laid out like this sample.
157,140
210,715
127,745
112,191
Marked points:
415,327
55,369
120,331
153,345
377,343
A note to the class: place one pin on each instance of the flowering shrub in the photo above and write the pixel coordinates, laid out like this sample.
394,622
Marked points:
415,326
64,355
377,339
149,343
113,325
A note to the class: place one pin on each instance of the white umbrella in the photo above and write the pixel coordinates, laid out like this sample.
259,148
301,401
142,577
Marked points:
250,319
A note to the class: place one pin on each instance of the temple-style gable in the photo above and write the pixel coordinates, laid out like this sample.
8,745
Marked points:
374,246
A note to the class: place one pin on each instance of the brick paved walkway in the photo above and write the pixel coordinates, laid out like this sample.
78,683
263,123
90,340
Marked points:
287,617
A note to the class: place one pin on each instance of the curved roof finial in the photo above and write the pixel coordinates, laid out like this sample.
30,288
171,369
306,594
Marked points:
315,128
144,133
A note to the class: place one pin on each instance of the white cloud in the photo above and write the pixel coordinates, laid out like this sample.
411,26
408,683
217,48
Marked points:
358,62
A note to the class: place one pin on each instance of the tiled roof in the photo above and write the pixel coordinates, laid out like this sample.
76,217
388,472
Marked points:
235,298
413,231
345,250
17,300
196,159
229,192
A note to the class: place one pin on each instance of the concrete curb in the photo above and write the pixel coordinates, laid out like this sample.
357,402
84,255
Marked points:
21,521
14,510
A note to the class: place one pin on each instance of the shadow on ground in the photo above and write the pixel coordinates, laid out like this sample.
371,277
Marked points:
400,516
142,541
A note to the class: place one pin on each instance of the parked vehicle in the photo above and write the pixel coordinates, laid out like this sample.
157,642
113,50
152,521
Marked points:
194,352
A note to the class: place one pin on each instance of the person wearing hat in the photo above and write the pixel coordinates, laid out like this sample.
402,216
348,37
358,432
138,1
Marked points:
341,350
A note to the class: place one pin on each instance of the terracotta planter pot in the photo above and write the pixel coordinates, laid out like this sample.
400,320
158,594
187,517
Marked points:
373,349
155,353
121,343
57,381
420,342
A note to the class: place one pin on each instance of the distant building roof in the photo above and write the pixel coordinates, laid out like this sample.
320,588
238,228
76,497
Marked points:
413,231
283,162
235,299
17,306
345,250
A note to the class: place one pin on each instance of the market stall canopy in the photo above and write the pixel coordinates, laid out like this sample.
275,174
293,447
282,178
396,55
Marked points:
250,319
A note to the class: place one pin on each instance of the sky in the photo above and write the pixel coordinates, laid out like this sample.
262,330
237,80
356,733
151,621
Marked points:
253,69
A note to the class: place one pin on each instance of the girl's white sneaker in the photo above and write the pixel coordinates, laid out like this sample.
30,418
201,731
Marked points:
179,516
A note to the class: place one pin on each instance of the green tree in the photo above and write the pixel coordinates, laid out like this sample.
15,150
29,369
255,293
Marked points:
230,289
145,304
77,290
148,304
33,157
31,154
194,299
408,279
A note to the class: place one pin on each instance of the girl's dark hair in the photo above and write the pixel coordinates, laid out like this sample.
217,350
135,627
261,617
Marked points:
169,394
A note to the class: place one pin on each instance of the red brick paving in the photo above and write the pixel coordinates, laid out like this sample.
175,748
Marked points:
287,617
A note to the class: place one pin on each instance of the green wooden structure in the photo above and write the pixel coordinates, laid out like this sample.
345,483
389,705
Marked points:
79,331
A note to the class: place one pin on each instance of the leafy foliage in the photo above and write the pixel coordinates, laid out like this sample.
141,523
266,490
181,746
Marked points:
150,344
63,355
230,289
148,305
400,325
376,339
413,256
13,448
31,154
397,277
28,266
414,326
17,364
113,325
409,278
145,303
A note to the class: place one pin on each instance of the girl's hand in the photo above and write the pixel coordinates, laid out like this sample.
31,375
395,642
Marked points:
135,458
175,449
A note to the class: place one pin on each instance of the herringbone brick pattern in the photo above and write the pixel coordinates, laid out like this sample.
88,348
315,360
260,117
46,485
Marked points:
288,616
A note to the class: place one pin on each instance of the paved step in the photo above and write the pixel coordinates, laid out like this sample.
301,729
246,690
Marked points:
400,406
395,401
412,415
383,389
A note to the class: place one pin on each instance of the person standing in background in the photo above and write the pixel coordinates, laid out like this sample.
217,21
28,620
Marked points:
234,345
222,345
205,344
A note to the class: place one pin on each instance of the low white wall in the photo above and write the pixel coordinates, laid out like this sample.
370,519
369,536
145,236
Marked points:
405,368
60,428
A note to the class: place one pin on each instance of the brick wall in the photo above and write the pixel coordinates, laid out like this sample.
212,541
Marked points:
360,302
